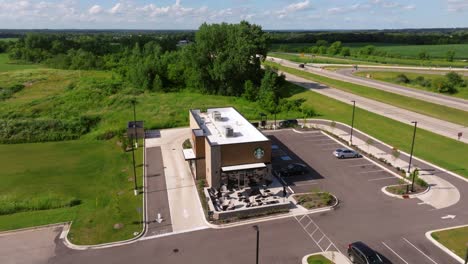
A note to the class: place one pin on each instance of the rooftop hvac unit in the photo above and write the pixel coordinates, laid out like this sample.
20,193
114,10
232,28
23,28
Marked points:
216,116
228,131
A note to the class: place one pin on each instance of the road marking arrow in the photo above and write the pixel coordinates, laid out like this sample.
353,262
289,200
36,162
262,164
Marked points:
448,217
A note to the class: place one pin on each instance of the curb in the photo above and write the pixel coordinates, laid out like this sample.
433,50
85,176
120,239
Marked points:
327,254
67,227
269,218
33,228
442,247
403,196
331,207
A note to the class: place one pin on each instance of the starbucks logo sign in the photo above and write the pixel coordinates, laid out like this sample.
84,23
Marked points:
259,153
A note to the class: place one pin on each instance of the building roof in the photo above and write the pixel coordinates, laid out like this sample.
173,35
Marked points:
226,126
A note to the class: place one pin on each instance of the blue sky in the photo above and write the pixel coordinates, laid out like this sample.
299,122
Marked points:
270,14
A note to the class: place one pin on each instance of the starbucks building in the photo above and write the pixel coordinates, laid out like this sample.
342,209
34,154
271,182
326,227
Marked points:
227,149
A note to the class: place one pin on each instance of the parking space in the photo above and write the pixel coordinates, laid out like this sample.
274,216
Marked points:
324,170
386,224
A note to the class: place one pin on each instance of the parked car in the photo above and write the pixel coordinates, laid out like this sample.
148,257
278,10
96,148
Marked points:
342,153
301,65
288,123
293,169
360,253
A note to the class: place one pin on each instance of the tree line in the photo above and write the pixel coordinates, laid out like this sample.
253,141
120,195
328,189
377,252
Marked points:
414,37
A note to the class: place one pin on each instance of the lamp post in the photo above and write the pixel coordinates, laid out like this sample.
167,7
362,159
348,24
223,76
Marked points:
352,123
466,257
255,227
412,146
135,190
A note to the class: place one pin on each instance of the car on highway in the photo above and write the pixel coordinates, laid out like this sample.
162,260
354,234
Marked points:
293,169
342,153
360,253
288,123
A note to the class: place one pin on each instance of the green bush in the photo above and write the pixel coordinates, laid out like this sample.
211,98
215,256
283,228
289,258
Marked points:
11,205
42,130
402,78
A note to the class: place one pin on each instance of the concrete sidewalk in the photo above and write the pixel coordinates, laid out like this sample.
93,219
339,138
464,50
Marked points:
185,209
442,193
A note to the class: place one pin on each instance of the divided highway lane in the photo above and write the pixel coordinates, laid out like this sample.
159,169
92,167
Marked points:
434,125
345,75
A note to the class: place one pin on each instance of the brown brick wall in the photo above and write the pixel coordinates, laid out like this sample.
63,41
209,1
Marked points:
237,154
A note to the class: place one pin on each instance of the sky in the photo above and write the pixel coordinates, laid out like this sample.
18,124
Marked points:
270,14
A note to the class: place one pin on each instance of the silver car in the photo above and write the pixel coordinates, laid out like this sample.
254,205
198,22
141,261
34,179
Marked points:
342,153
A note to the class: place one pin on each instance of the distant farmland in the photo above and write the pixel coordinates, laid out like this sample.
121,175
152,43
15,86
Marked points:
410,51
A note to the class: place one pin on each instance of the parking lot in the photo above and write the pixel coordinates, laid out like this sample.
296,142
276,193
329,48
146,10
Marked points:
394,227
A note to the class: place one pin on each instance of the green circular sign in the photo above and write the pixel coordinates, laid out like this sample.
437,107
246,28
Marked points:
259,153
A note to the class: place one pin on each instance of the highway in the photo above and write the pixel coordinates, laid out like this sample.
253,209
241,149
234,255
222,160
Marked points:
346,75
434,125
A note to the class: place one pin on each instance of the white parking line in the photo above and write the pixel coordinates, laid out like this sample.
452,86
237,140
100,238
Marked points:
379,179
370,171
318,140
360,165
420,251
395,253
304,184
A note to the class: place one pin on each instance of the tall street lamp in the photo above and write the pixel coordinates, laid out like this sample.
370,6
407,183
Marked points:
352,123
412,145
466,257
135,190
411,154
255,227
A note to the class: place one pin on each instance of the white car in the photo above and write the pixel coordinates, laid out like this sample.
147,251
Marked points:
342,153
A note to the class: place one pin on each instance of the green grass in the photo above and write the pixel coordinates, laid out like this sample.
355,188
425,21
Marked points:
318,259
9,39
7,65
455,240
307,58
415,105
96,172
410,51
390,77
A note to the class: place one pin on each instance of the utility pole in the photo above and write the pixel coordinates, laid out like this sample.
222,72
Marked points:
352,124
412,146
135,190
255,227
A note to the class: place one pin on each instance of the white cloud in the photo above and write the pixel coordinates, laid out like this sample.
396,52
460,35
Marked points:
117,8
292,8
457,5
95,9
347,9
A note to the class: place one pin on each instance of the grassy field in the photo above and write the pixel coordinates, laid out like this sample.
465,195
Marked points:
318,259
455,240
97,173
307,58
391,77
419,106
410,51
7,65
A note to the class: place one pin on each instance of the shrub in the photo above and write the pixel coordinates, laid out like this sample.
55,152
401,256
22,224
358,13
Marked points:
443,86
402,78
187,144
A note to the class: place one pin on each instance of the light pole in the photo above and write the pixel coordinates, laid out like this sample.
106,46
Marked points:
255,227
135,190
352,124
412,145
466,257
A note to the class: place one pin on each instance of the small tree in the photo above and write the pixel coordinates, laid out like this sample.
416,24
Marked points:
369,142
450,55
402,78
395,154
307,112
